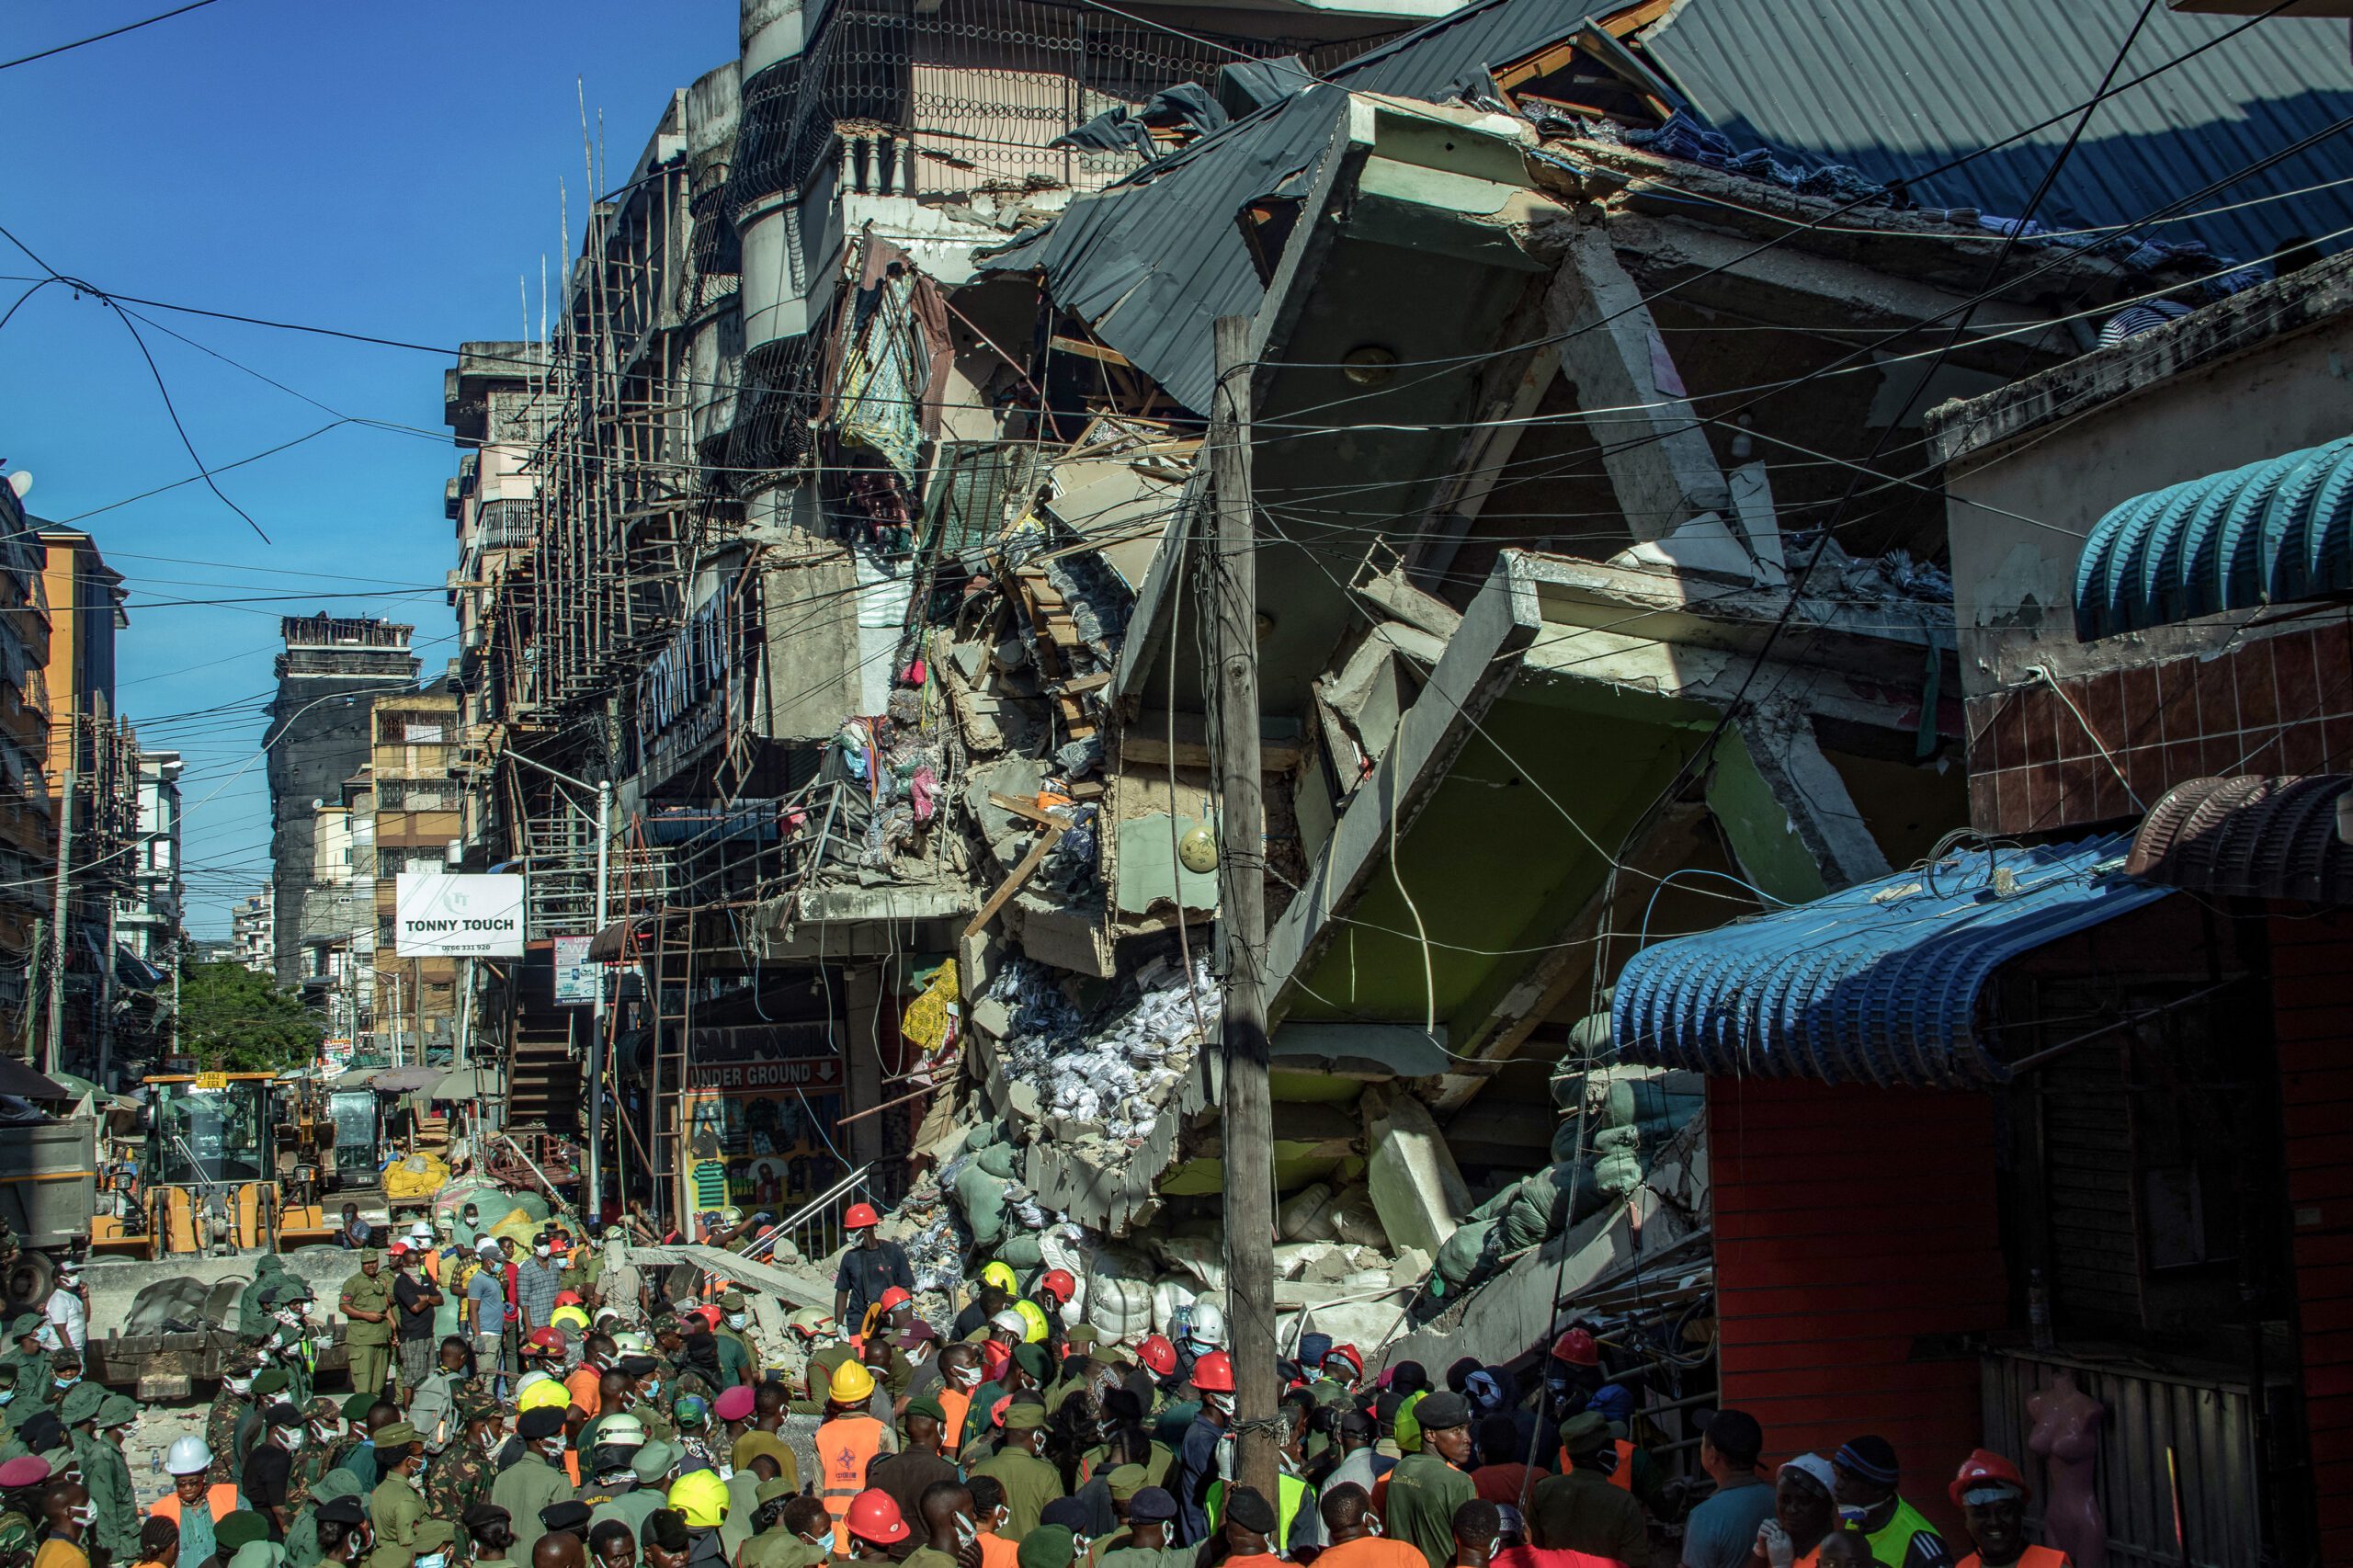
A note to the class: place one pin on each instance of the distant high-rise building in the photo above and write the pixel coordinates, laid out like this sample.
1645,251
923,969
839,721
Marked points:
332,670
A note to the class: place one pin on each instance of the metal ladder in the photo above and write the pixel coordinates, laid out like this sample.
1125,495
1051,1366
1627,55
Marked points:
671,996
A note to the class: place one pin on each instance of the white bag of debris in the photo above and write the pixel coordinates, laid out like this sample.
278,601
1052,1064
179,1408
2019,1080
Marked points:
1306,1215
1172,1298
1118,1283
1355,1220
1203,1257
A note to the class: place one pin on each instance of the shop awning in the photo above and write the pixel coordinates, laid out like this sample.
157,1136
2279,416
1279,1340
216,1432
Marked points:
2249,837
2272,532
612,944
1878,984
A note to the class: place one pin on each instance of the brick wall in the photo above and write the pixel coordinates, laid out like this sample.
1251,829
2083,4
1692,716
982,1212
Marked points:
2312,1016
1851,1220
2280,704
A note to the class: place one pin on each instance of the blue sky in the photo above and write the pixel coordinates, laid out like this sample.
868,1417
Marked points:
384,169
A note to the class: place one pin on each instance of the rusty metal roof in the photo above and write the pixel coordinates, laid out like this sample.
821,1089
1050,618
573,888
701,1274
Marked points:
2257,837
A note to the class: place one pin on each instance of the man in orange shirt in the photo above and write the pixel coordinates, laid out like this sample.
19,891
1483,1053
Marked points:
990,1513
587,1379
1355,1533
1250,1525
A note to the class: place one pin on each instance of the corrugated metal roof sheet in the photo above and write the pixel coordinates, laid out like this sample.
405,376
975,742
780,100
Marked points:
2249,837
1152,261
1895,88
1877,984
2272,532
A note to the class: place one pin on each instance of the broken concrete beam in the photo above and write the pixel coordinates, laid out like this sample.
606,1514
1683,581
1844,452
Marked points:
1416,1188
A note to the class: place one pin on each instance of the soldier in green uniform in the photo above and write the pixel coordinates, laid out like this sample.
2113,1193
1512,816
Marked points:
436,1539
1029,1481
536,1480
99,1420
289,1344
26,1357
681,1377
230,1407
397,1504
64,1374
461,1477
317,1458
303,1537
367,1305
254,1304
735,1324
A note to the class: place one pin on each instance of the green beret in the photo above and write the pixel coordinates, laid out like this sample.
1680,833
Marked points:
1033,1359
432,1535
1127,1480
120,1410
1079,1337
240,1528
368,1255
1024,1415
731,1300
1048,1546
271,1381
80,1403
357,1407
1588,1432
399,1435
923,1404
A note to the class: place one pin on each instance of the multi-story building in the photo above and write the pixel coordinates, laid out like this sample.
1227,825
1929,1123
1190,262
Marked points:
253,931
330,671
148,922
413,816
27,831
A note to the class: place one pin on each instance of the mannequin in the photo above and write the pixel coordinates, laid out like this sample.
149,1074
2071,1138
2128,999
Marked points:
2066,1434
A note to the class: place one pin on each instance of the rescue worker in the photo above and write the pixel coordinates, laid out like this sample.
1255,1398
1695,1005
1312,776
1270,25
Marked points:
22,1481
1144,1538
1197,1456
1571,1373
1425,1488
735,1324
1019,1467
1803,1512
461,1477
609,1472
289,1344
869,1266
918,1465
699,1499
959,1374
367,1303
253,1303
1581,1509
848,1442
1900,1536
196,1501
871,1526
1992,1496
28,1357
535,1480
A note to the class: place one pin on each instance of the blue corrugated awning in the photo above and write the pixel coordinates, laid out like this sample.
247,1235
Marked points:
2272,532
1876,984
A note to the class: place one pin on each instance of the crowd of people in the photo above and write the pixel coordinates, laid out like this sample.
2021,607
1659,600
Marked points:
509,1407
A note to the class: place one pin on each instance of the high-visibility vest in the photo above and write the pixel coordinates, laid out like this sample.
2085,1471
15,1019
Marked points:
1622,1478
953,1404
844,1446
1892,1542
2035,1557
220,1496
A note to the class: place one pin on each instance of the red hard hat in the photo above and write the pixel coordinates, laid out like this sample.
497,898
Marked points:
710,1316
861,1216
567,1298
1059,1284
398,1249
1986,1468
895,1297
1156,1353
1347,1351
1577,1348
546,1339
1213,1373
874,1516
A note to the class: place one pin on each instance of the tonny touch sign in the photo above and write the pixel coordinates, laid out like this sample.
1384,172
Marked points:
448,915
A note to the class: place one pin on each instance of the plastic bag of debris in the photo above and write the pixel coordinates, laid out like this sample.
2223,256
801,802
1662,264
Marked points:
1021,1252
1470,1253
1306,1215
1203,1257
1355,1220
1118,1293
982,1197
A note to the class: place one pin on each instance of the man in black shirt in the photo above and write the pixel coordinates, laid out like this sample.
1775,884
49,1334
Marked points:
414,1299
871,1267
269,1468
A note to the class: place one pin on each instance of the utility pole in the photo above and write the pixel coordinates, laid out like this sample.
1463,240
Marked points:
1248,1112
593,1200
53,1057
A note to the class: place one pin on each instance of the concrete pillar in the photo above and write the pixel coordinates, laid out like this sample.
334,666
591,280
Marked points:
862,985
1657,456
1786,811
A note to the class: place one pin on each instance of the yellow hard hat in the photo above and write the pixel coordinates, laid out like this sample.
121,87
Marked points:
1001,1276
548,1392
569,1317
850,1384
1033,1319
702,1496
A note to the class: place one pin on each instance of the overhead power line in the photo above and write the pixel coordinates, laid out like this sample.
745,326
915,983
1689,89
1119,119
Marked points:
111,32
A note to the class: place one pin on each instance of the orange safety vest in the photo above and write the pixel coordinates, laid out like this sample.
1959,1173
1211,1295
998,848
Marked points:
954,1405
2035,1557
1622,1478
844,1446
220,1496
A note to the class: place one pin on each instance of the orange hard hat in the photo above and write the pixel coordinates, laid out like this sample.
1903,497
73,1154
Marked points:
1058,1284
710,1316
1986,1468
1577,1348
546,1339
1158,1354
874,1516
567,1298
1213,1373
862,1217
893,1297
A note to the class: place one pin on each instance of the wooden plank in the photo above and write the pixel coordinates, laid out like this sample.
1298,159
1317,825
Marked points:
1029,809
1014,881
1087,350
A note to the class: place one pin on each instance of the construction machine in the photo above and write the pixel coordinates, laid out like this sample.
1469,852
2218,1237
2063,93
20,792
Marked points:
236,1162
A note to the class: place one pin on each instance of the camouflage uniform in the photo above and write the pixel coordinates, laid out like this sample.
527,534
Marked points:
18,1539
461,1475
229,1408
314,1462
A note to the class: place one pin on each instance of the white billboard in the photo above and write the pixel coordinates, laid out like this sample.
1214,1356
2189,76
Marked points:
449,914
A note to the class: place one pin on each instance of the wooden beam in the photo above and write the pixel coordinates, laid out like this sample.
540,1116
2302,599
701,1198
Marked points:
1014,881
1093,351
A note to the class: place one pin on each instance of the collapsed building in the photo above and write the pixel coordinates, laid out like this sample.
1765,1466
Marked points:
860,495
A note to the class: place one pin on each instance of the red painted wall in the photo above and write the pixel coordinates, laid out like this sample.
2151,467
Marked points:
1848,1221
2313,1015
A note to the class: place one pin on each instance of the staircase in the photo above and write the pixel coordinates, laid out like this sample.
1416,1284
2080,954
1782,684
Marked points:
543,1083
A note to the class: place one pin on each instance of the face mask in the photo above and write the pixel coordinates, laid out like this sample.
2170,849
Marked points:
1852,1513
291,1439
492,1441
84,1516
1221,1403
967,1377
967,1531
65,1382
434,1560
653,1389
736,1320
239,1385
7,1394
553,1451
542,1252
324,1434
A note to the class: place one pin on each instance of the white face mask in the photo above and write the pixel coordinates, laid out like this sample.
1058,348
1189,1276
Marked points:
542,1252
967,1531
325,1434
493,1440
433,1560
1220,1402
736,1320
967,1377
84,1516
238,1385
291,1438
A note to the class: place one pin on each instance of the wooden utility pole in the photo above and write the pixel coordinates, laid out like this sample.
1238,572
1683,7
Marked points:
1248,1112
53,1057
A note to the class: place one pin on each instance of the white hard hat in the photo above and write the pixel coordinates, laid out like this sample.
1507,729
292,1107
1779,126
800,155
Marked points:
622,1431
422,1230
1011,1322
187,1456
1208,1327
